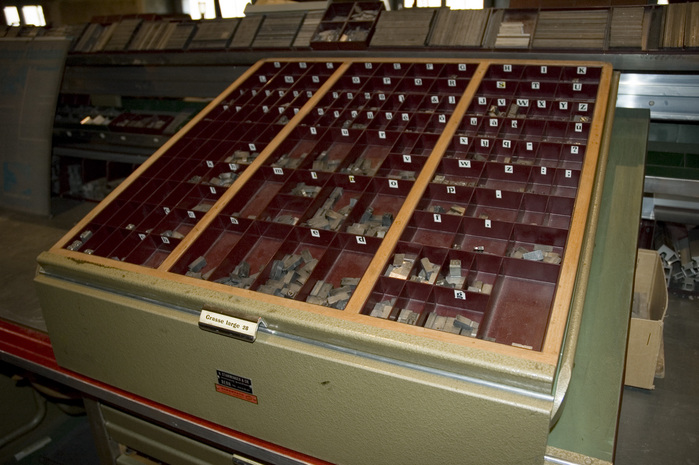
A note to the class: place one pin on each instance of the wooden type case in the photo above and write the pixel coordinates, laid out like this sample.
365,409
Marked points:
464,161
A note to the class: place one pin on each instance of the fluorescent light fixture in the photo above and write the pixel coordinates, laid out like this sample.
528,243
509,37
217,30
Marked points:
233,8
33,15
11,15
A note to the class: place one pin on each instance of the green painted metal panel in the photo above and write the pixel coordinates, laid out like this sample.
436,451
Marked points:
589,418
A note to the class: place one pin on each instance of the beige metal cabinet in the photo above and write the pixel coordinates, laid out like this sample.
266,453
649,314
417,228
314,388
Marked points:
392,245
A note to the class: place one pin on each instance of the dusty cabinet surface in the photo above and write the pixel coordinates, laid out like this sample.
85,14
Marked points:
426,214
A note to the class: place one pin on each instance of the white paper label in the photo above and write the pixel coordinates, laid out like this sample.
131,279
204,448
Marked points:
229,325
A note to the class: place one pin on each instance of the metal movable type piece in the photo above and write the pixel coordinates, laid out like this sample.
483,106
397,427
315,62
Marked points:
350,282
85,235
286,219
277,270
197,265
429,323
325,290
512,112
311,299
387,219
75,245
439,323
463,322
476,286
403,315
202,207
357,229
242,270
318,222
535,255
315,292
306,256
292,261
455,268
366,216
456,210
456,282
450,327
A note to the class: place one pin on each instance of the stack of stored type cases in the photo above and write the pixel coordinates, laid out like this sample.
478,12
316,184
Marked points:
298,189
409,27
346,25
458,28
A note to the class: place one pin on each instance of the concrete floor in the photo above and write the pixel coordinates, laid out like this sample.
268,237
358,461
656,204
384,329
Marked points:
662,426
656,427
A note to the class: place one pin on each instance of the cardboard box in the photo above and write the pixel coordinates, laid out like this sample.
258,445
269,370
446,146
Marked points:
645,346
